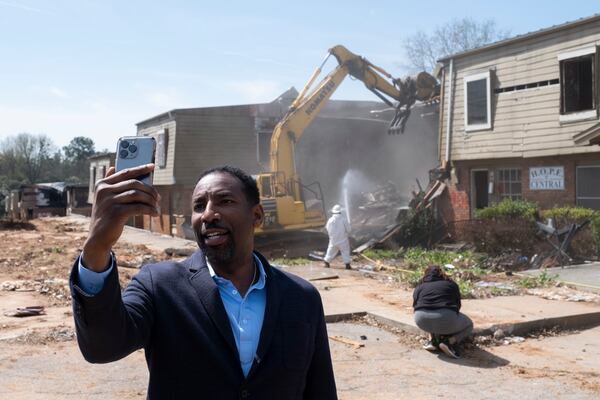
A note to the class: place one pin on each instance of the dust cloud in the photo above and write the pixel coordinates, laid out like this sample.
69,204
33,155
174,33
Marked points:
348,143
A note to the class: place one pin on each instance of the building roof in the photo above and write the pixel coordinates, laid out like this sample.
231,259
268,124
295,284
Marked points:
589,136
525,36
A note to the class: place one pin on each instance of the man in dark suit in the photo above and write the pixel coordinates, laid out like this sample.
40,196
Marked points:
222,324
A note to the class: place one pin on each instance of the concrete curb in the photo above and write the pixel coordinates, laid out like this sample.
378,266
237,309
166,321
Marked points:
576,321
332,318
396,324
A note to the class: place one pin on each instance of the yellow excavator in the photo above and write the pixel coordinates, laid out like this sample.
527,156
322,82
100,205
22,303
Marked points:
281,190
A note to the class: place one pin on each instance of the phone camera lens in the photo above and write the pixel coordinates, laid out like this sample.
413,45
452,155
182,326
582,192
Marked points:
123,153
124,144
133,148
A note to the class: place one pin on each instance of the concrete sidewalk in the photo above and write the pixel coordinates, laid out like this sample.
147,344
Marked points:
352,294
583,276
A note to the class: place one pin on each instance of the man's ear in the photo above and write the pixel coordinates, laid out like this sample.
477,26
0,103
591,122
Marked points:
258,214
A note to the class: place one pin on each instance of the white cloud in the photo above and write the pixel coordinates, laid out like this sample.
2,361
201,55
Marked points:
255,91
58,92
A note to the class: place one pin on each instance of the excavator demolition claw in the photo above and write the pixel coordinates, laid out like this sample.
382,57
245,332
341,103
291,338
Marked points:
424,88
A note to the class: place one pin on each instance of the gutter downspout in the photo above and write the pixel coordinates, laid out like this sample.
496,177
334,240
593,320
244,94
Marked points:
449,112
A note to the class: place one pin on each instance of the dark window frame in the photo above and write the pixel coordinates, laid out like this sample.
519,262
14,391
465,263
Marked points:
469,79
506,179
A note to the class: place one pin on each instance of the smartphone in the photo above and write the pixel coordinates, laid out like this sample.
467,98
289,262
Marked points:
134,151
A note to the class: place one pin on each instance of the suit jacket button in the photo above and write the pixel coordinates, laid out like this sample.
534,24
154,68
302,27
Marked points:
244,394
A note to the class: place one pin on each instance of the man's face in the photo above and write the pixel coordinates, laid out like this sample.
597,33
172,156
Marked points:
223,219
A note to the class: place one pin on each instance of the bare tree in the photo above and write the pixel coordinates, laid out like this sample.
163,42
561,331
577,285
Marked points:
32,152
423,49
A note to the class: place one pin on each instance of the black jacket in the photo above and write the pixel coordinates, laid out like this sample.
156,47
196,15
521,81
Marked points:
174,311
436,292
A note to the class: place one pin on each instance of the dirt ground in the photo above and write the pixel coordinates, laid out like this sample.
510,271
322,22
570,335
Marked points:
39,358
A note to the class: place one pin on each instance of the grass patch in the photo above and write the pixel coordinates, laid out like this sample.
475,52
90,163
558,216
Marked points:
380,254
465,273
544,279
291,261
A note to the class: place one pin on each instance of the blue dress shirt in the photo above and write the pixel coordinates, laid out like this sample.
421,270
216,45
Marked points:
246,314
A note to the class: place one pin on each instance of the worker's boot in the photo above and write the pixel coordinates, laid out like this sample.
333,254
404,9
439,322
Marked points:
327,264
348,266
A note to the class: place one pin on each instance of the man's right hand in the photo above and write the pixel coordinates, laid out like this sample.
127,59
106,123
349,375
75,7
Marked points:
116,198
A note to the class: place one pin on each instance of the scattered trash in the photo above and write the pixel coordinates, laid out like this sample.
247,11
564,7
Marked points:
499,334
498,285
30,311
363,337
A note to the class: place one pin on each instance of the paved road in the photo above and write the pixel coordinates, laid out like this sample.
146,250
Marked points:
554,368
388,367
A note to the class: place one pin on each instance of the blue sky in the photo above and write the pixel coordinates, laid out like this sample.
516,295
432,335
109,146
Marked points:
95,68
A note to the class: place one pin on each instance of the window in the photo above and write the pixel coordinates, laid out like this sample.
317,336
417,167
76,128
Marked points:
509,184
588,187
264,146
477,102
577,84
93,179
161,148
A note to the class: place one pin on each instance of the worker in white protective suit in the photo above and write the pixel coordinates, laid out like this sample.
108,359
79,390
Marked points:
338,230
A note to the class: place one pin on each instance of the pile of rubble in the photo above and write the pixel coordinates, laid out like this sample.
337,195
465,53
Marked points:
56,288
377,212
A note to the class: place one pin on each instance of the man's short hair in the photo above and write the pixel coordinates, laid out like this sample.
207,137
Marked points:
249,186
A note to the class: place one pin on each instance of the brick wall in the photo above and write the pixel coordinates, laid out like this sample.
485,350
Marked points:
455,205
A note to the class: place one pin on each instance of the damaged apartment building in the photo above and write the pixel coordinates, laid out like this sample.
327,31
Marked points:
520,120
347,135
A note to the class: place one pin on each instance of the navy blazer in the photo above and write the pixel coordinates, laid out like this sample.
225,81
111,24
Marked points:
174,311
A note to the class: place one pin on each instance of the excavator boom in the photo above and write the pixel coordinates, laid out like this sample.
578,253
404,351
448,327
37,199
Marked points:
282,185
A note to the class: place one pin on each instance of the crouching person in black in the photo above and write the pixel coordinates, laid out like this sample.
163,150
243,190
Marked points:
436,301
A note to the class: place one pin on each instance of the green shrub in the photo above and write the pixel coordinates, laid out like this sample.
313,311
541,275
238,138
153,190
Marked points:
569,215
508,208
417,228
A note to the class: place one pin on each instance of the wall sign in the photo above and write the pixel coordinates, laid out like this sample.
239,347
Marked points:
546,178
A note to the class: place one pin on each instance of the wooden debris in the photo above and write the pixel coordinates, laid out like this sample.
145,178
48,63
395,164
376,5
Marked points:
26,312
322,278
347,341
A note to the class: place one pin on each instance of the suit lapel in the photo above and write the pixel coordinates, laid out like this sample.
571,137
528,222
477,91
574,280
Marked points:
271,312
210,297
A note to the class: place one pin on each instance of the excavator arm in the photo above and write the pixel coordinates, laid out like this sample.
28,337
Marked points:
309,104
281,191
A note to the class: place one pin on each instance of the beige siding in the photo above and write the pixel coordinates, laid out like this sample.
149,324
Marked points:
164,176
524,123
204,141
